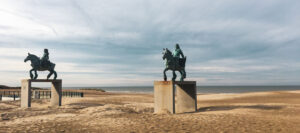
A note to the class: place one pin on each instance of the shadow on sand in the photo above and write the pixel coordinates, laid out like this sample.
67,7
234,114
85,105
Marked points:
84,105
224,108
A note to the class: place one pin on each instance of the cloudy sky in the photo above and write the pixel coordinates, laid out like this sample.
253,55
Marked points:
119,43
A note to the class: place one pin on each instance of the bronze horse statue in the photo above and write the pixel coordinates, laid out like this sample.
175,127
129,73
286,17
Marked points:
174,65
36,66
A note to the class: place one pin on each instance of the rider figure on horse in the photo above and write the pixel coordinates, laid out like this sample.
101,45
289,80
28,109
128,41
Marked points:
177,53
45,59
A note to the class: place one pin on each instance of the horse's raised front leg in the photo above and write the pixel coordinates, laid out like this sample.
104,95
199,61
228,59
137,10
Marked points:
165,76
174,76
35,74
49,75
30,73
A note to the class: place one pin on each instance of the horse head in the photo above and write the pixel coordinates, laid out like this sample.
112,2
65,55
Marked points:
31,57
166,54
28,57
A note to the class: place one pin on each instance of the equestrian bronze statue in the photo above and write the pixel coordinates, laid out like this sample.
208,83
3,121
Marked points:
174,62
42,64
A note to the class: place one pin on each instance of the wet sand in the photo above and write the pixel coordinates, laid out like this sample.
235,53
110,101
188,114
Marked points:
123,112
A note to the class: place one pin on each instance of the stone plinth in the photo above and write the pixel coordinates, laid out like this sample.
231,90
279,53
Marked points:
56,92
186,96
164,96
25,93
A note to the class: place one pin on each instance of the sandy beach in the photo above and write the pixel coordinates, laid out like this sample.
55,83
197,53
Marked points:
128,112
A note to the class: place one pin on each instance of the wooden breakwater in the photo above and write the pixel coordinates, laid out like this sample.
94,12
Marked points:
13,94
38,94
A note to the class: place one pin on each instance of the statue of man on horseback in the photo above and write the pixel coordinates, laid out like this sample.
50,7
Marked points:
42,64
174,62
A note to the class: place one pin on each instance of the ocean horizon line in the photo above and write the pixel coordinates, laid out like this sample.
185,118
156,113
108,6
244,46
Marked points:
200,89
197,86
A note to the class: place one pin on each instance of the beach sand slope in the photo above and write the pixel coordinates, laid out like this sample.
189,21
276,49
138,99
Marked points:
124,112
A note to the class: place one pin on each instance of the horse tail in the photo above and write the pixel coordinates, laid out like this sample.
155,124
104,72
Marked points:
53,66
184,60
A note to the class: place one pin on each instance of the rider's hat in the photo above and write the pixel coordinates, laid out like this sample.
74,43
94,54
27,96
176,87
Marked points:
46,50
177,45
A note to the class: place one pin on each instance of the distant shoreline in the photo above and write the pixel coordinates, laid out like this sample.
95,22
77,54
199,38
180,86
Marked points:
200,89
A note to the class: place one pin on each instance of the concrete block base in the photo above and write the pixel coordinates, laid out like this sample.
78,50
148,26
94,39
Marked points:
164,99
186,96
56,92
166,91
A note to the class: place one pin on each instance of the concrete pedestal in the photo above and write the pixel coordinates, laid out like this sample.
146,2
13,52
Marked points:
186,96
56,92
25,93
164,96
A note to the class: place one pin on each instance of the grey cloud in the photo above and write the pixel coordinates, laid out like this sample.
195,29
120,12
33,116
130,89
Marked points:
211,33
